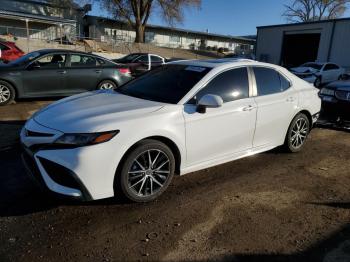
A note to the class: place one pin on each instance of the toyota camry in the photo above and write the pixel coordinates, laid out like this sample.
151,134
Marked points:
179,118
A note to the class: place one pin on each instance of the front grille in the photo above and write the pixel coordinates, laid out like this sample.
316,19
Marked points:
343,95
37,134
61,175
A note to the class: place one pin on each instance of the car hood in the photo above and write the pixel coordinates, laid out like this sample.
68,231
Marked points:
303,70
93,111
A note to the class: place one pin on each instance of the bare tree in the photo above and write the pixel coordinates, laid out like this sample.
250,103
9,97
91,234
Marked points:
315,10
137,12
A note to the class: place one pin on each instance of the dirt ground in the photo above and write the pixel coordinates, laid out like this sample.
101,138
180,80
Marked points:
269,207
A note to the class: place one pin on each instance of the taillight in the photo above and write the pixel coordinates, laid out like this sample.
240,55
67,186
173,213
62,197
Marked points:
124,70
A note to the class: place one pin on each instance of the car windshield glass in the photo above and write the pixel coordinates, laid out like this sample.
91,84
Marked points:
25,59
313,65
167,84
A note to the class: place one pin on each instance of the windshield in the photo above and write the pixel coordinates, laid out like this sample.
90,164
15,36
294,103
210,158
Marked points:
167,84
25,59
312,65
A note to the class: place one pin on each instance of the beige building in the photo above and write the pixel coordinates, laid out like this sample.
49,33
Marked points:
113,30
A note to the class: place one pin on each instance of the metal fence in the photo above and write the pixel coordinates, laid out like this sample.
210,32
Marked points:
54,37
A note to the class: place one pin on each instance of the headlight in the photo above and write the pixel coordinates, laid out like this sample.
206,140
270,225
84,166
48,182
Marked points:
327,92
75,140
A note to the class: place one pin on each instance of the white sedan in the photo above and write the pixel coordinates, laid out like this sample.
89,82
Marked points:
319,73
182,117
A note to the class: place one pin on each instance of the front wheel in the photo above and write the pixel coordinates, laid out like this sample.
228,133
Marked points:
106,84
297,133
7,93
318,82
147,171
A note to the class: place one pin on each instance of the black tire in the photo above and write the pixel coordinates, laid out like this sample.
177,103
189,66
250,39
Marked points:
295,141
106,84
130,182
318,82
7,93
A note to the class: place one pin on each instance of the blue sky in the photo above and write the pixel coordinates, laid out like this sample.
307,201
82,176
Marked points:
229,17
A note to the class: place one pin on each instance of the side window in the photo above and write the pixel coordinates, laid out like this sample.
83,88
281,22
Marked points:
142,59
230,85
156,59
285,84
82,61
269,81
330,67
51,61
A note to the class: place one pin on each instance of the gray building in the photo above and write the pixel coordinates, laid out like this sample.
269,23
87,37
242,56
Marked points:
41,19
106,29
293,44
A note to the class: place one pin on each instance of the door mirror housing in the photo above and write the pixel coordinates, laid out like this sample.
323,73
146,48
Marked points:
209,101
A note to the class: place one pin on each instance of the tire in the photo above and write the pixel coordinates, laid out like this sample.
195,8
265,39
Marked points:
138,180
106,84
297,134
318,82
7,93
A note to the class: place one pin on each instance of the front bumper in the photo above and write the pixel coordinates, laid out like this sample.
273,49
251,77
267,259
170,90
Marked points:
47,183
334,110
84,173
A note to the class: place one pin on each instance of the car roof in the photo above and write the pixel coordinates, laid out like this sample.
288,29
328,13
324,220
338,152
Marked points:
214,63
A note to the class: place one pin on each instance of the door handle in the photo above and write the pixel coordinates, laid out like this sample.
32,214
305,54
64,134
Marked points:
62,72
248,108
98,71
290,99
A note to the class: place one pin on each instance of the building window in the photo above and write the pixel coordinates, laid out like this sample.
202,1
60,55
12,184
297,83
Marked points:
149,37
175,39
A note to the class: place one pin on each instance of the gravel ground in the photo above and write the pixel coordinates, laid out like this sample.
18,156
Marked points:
269,207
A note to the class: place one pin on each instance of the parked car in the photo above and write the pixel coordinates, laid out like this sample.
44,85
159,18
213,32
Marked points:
319,73
47,73
336,102
9,51
179,118
139,63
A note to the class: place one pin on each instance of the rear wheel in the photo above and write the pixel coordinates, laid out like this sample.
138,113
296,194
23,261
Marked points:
297,133
147,171
7,93
106,84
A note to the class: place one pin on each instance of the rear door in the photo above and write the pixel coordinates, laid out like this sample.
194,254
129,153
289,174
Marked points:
277,101
46,75
83,73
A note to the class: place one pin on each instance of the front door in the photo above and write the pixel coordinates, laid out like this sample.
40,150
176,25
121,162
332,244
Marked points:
222,131
45,76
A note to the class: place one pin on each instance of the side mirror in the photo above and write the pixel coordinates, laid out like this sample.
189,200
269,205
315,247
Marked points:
209,101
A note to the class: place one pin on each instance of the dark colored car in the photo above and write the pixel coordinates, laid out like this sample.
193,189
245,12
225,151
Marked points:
9,52
47,73
336,102
139,63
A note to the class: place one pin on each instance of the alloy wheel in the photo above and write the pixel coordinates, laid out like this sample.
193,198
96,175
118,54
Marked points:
299,133
148,173
5,94
107,85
